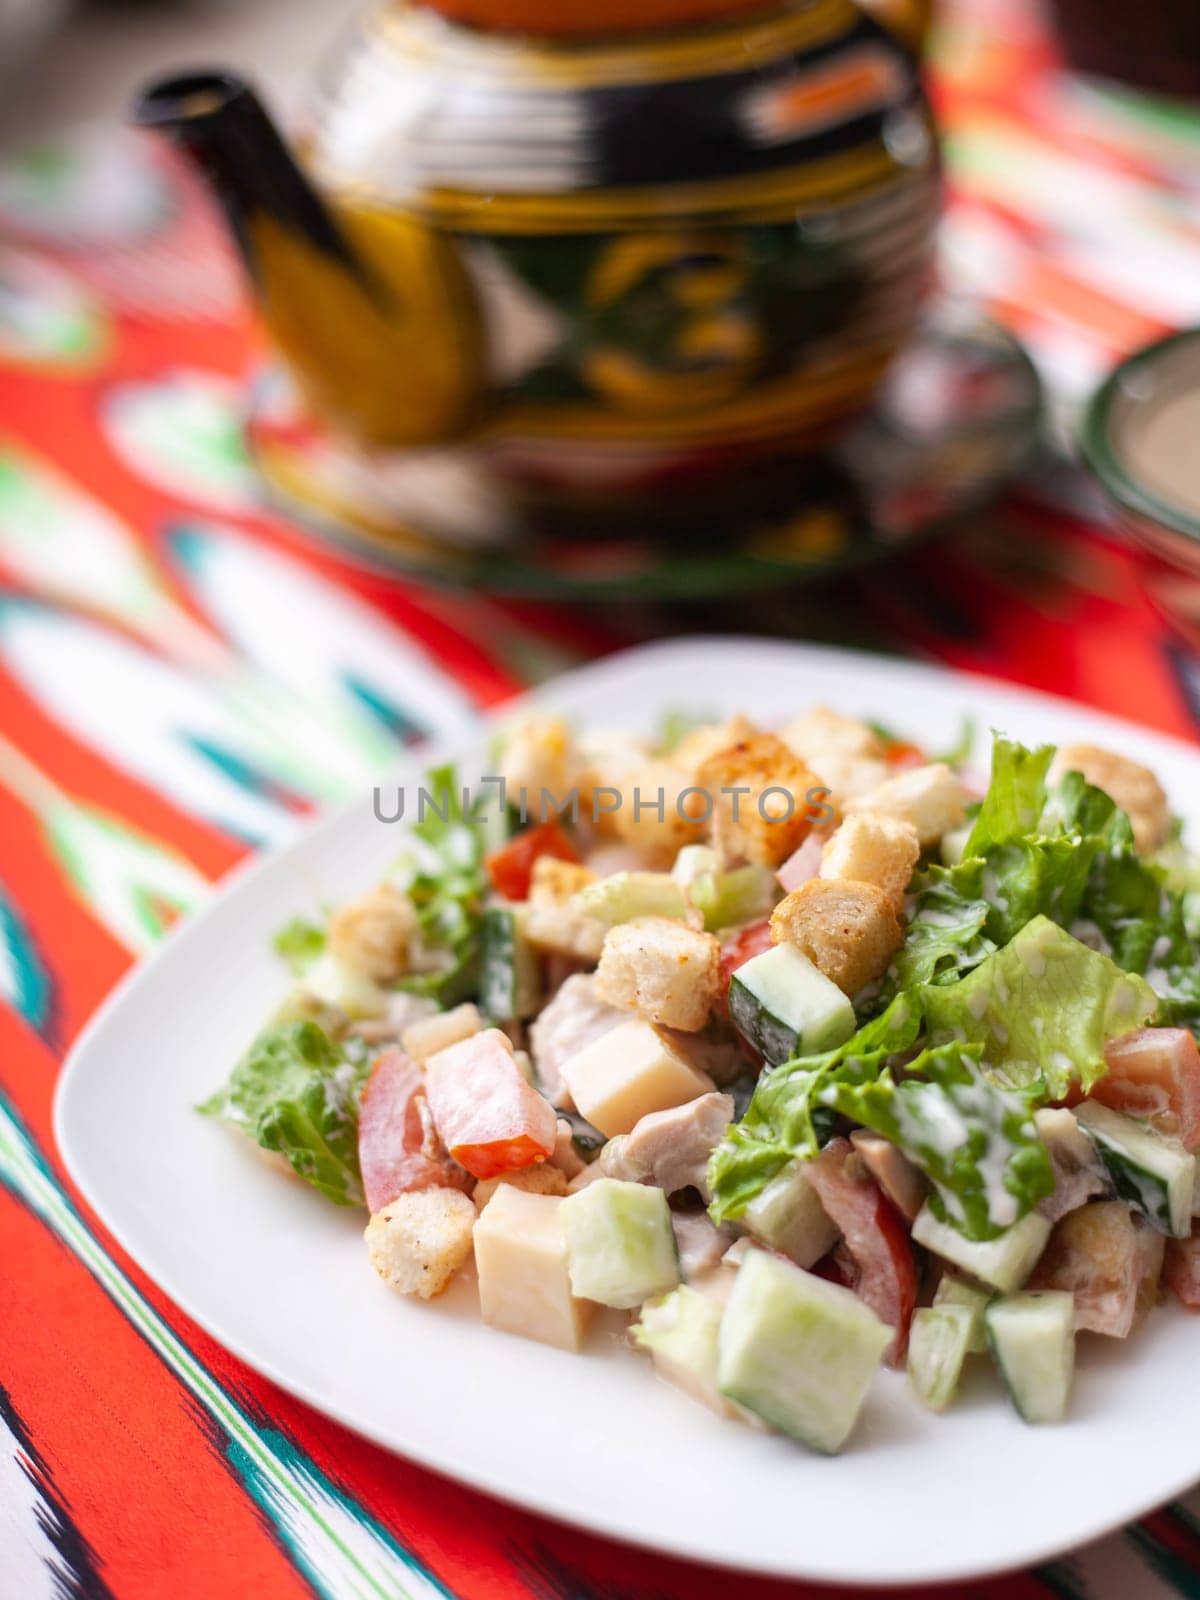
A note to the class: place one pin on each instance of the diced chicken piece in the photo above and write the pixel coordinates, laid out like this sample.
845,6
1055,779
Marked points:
373,934
606,860
566,1157
849,931
697,746
654,814
488,1116
398,1146
426,1036
1079,1173
1181,1269
573,1018
542,1178
552,920
715,1050
1134,787
670,1149
873,849
539,754
700,1242
403,1010
803,863
524,1281
627,1073
904,1184
665,971
773,813
1154,1073
1109,1258
930,798
420,1239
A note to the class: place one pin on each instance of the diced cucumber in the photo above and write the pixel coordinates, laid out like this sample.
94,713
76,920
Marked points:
785,1007
1147,1170
952,1291
744,894
680,1331
620,1243
938,1341
626,895
798,1351
788,1216
509,972
1032,1337
1004,1262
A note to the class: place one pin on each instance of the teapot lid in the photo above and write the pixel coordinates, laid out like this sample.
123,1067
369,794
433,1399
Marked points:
582,17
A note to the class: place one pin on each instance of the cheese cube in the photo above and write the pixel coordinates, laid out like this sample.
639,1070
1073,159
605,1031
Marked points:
428,1035
627,1073
524,1282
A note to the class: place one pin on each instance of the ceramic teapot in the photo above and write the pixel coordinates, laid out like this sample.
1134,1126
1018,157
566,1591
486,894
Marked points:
593,243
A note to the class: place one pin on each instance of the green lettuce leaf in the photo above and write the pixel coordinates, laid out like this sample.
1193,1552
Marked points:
299,943
1041,1010
296,1091
443,874
973,1139
1015,798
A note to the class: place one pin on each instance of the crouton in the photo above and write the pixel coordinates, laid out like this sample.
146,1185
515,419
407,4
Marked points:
539,753
544,1177
420,1239
709,739
767,821
427,1036
931,798
873,849
848,930
654,814
1134,787
821,732
552,921
665,971
372,934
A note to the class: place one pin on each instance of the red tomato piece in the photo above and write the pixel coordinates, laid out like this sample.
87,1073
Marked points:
1155,1073
398,1148
899,753
1109,1258
488,1116
1181,1269
510,867
874,1236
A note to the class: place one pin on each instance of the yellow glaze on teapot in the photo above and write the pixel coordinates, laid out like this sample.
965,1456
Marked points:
590,260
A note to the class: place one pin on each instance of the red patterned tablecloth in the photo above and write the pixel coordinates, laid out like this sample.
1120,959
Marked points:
182,678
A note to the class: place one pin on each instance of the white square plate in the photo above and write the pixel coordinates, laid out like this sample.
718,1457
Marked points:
280,1276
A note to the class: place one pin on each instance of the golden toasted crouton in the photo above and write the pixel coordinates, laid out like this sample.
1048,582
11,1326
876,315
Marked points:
552,922
931,798
426,1037
695,748
767,821
822,732
539,753
544,1177
1134,787
665,971
873,849
848,930
419,1240
654,814
372,934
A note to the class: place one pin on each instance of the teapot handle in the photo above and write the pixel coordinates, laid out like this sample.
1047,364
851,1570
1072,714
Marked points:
909,20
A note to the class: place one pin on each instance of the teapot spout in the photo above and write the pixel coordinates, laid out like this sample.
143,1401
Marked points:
349,326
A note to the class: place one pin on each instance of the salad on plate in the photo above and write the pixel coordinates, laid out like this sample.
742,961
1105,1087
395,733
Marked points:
805,1051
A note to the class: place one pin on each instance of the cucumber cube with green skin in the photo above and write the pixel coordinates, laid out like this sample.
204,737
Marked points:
743,894
626,895
789,1217
798,1351
938,1341
509,972
680,1331
1032,1337
785,1007
952,1291
1004,1262
1152,1173
620,1244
